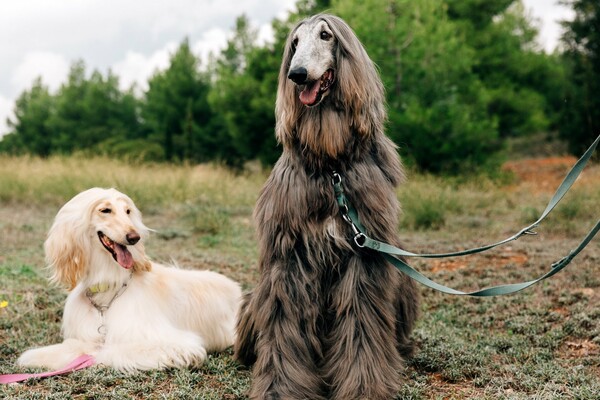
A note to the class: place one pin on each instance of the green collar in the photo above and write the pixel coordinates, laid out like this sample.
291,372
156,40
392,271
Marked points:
99,288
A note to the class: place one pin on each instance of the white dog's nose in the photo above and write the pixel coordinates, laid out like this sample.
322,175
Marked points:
132,237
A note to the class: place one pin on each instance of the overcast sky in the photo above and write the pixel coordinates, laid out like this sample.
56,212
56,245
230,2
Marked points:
135,37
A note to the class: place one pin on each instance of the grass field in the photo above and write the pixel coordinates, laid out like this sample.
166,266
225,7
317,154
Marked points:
542,343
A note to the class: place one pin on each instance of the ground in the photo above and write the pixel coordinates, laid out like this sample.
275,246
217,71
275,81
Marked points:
542,343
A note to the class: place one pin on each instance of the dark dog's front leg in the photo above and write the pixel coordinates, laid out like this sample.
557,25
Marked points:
362,359
285,308
245,344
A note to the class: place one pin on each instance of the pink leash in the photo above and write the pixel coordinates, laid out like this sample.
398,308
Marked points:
80,362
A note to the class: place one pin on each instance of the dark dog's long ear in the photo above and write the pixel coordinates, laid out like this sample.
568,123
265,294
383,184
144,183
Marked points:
287,109
360,87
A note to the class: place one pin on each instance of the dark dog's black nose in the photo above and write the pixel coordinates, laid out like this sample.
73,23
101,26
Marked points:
298,75
132,237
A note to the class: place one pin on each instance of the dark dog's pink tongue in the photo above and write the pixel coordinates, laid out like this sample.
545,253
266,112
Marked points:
309,95
124,257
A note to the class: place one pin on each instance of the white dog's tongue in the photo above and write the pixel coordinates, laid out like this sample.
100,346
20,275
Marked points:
124,257
309,95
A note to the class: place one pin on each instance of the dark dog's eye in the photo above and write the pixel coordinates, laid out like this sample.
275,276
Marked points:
106,211
325,35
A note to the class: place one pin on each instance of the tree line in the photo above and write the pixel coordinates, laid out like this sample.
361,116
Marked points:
461,76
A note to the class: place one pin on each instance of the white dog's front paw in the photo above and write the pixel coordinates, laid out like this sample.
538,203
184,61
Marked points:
197,358
56,356
29,359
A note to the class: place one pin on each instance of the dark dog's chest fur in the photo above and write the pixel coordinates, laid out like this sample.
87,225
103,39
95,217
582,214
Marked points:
296,214
298,218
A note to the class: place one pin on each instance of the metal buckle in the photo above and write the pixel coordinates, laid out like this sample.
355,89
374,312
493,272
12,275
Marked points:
360,239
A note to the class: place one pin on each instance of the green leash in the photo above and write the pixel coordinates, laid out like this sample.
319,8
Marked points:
362,240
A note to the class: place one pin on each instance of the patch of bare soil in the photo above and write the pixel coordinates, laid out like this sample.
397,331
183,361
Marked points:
579,348
442,389
545,174
478,262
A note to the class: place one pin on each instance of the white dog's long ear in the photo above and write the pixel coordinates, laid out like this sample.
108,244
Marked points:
141,262
68,241
64,255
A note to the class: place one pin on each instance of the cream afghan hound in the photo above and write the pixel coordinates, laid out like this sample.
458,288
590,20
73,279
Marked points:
125,310
327,319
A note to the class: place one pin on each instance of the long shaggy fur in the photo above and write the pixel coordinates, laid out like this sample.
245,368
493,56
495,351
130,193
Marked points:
328,320
165,317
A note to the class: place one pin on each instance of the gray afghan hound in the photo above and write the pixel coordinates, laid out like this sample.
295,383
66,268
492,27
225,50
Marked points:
327,319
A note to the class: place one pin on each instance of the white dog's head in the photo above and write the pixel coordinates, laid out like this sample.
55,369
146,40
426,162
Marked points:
98,228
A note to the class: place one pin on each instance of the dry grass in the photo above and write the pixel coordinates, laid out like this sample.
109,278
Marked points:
542,343
53,181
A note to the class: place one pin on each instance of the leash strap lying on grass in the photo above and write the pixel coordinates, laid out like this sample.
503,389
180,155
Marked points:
390,252
494,290
80,362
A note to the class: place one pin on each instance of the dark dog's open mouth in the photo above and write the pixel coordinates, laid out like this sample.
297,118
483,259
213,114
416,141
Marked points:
313,91
119,252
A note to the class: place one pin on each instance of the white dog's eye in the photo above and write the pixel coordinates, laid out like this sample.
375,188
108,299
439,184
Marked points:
106,211
128,211
294,44
325,35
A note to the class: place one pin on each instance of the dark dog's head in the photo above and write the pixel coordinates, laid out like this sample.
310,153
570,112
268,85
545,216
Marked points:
325,67
312,66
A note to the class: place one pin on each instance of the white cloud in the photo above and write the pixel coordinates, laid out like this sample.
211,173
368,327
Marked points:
550,13
137,68
212,41
6,108
265,34
52,67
